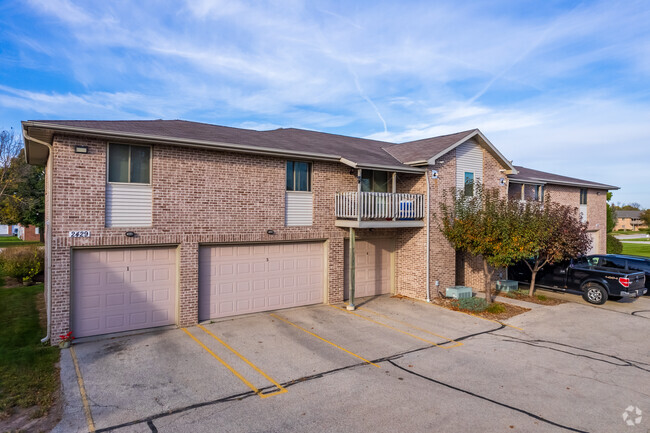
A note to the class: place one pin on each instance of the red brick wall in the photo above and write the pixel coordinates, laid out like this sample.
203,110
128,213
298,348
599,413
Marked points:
596,208
29,234
208,197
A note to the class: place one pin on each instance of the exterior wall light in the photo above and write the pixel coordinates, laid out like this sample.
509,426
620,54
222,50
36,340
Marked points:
81,149
129,234
270,232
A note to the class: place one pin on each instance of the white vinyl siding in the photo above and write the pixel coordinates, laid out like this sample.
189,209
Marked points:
299,208
128,205
469,159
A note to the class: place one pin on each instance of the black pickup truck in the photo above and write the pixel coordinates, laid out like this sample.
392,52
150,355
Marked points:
584,275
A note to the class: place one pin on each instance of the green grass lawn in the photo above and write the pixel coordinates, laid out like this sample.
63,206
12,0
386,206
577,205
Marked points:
13,241
28,376
629,232
636,249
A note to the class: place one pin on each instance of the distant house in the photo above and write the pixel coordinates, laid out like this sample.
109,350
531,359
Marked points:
629,220
29,233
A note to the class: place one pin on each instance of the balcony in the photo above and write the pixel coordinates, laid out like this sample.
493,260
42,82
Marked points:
379,210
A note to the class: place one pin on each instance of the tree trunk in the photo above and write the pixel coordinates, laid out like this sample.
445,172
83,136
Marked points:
531,290
488,281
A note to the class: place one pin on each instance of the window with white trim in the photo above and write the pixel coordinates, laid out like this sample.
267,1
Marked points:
298,176
129,163
469,184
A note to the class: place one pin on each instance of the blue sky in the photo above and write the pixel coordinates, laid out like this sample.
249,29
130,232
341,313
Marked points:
555,85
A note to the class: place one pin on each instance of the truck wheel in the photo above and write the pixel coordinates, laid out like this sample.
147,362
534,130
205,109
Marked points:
595,294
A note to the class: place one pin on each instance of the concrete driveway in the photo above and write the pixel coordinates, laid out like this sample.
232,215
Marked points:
394,365
635,306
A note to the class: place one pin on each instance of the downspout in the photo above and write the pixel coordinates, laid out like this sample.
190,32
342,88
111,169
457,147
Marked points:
48,235
428,215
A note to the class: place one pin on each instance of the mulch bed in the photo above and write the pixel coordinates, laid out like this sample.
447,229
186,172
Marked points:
538,298
511,310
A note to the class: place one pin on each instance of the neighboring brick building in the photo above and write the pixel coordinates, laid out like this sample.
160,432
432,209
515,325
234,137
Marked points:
589,198
152,223
629,220
29,233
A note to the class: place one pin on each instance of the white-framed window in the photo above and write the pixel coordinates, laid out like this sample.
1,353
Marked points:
298,176
468,182
129,163
374,181
526,192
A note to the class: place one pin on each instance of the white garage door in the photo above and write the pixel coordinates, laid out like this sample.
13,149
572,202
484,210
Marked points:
373,269
123,289
240,279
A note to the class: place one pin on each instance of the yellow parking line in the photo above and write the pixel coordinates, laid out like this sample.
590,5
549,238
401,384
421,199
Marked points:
322,339
388,326
225,364
82,391
458,343
280,387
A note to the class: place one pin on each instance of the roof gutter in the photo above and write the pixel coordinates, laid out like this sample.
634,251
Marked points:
48,231
563,183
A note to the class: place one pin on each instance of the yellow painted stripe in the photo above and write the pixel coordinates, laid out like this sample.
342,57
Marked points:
225,364
82,391
388,326
322,339
253,366
458,343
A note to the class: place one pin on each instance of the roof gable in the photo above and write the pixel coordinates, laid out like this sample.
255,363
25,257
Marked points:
428,150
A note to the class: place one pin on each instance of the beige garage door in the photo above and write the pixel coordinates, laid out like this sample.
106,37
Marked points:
117,290
242,279
373,268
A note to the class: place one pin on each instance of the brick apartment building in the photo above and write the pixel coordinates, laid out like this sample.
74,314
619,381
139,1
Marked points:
153,223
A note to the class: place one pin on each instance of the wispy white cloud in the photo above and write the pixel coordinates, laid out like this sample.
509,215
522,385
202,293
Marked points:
572,81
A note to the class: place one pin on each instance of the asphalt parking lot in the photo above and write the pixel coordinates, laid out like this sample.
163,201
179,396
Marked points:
393,365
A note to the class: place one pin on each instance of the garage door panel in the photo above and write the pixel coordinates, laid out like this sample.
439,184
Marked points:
117,290
264,277
372,263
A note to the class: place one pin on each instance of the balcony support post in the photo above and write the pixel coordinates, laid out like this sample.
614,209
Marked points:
359,201
394,176
351,270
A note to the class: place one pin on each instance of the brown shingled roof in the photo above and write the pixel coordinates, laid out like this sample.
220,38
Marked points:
528,174
423,150
357,150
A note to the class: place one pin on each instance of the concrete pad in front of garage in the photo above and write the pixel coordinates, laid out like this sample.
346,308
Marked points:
133,377
569,368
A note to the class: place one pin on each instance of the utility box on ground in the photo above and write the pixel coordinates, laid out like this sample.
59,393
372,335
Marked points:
507,285
459,292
